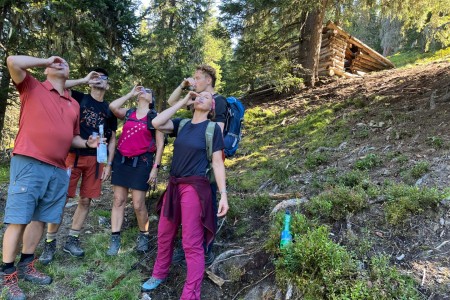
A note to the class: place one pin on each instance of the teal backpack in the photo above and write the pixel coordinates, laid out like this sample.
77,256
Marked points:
209,135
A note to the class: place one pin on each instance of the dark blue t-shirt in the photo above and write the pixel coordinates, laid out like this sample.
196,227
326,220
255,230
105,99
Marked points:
189,153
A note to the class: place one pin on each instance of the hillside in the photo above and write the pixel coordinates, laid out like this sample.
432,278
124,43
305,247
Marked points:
367,157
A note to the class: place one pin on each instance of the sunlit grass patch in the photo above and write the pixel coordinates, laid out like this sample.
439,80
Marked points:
408,58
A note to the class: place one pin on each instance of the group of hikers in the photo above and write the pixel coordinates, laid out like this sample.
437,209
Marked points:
56,147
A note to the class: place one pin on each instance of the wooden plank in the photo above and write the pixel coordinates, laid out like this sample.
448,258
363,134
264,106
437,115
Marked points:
330,54
340,42
365,66
372,59
372,64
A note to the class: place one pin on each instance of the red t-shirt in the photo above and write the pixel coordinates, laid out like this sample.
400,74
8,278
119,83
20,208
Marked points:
48,122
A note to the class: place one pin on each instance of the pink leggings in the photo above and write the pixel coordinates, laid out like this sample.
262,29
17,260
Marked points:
192,239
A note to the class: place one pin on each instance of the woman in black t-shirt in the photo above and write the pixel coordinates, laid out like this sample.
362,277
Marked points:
187,199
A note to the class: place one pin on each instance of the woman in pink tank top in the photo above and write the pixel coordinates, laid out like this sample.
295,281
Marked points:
136,163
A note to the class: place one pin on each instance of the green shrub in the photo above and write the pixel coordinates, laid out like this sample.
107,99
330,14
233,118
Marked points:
315,264
337,202
258,203
368,162
352,178
420,169
388,283
315,159
322,269
435,141
405,201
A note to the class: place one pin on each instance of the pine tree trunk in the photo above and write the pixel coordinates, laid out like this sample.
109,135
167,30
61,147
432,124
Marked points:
310,39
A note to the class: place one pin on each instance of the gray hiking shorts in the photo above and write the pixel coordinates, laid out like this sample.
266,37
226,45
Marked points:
37,191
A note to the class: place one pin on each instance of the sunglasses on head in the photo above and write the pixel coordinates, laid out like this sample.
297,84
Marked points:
103,77
146,91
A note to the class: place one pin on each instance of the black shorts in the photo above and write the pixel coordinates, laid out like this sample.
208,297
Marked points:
132,172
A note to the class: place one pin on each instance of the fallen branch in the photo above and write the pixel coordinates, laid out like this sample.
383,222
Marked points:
216,279
442,244
423,276
287,203
252,284
284,196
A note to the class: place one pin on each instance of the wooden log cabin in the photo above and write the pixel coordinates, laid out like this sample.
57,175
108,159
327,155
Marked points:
344,55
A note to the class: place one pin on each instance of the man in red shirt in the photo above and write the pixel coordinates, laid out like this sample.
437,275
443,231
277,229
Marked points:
48,127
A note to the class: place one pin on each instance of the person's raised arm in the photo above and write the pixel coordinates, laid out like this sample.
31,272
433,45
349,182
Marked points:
219,174
176,94
116,105
18,64
162,121
92,77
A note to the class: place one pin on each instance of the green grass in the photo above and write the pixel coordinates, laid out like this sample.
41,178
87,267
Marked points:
95,273
4,172
408,58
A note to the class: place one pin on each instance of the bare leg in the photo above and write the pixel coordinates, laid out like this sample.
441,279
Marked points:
140,209
32,236
118,208
81,213
13,235
52,227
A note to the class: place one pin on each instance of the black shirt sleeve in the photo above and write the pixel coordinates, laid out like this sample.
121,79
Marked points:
78,96
112,120
221,108
218,143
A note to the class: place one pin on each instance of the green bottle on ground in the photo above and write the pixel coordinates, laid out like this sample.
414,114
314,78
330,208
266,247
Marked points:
286,236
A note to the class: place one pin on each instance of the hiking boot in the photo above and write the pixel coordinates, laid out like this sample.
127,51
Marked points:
114,245
48,253
178,256
209,258
142,242
72,246
27,271
9,286
151,284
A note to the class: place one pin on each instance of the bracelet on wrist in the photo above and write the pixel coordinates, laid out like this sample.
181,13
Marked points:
155,165
109,163
224,191
87,145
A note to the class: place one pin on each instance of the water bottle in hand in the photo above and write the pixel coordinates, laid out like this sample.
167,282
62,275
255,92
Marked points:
102,155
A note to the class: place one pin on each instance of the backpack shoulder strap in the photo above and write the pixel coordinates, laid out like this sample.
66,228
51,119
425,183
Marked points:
128,113
209,134
181,125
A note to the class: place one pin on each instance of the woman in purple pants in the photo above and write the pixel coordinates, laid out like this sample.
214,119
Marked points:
187,199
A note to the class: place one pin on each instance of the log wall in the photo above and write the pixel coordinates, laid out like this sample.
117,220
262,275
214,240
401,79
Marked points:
344,55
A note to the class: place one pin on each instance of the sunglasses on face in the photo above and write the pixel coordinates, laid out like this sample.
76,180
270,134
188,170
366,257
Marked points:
146,91
203,98
103,77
